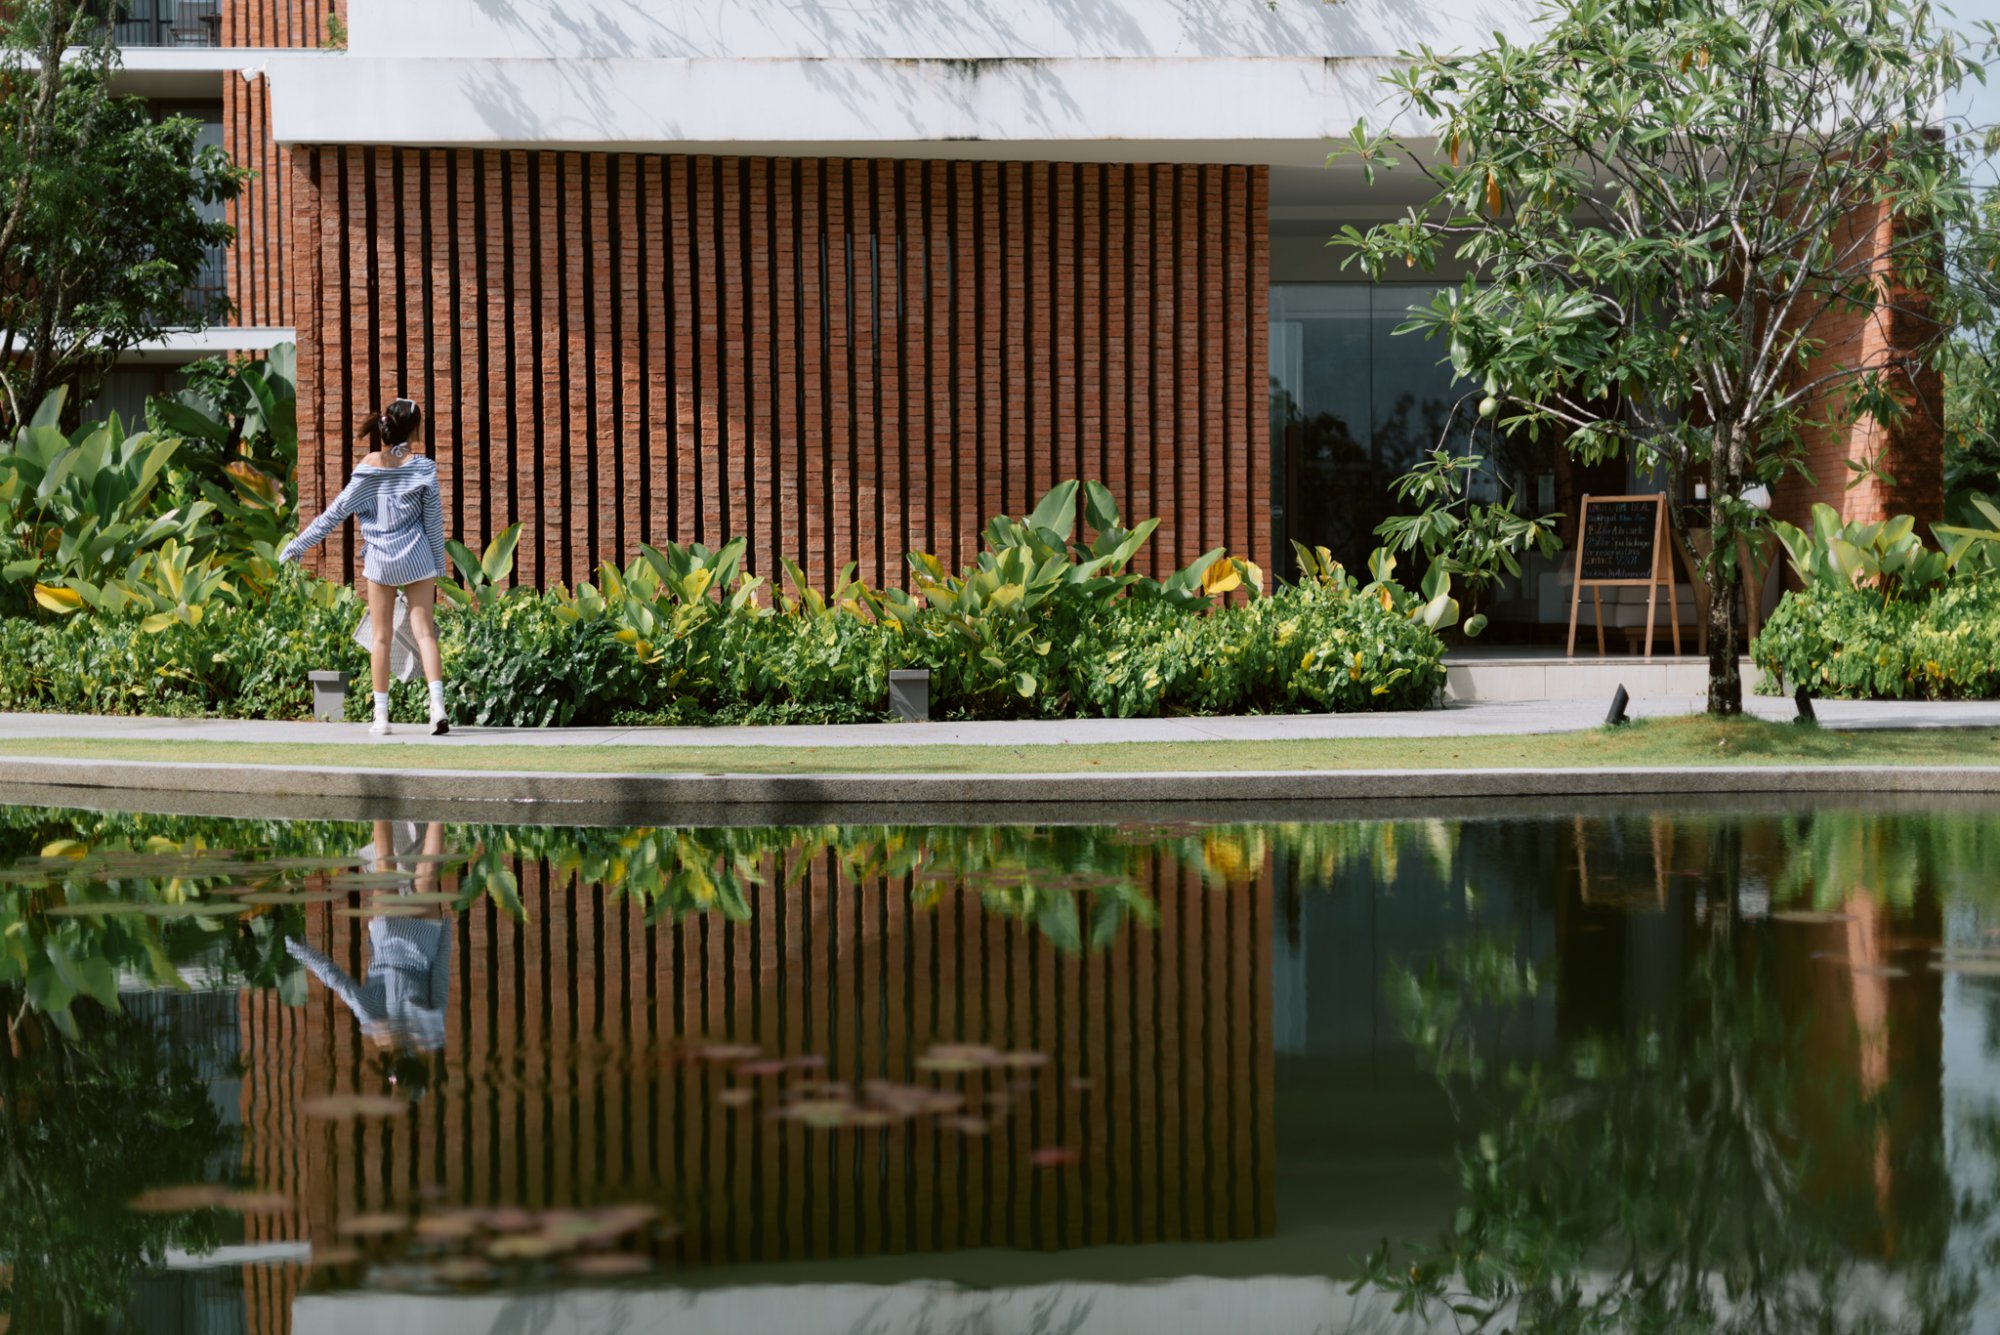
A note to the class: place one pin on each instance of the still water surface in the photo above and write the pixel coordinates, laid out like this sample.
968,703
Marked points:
1664,1071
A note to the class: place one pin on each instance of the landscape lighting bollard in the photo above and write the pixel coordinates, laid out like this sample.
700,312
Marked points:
910,694
329,695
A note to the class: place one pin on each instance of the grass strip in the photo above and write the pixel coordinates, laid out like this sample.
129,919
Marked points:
1650,743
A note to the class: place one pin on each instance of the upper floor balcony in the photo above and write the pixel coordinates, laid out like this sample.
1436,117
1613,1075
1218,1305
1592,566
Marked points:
155,23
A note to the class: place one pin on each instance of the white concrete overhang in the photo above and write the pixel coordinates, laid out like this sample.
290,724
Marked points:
1268,109
178,346
189,73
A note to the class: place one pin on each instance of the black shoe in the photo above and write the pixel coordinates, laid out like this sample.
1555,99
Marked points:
440,728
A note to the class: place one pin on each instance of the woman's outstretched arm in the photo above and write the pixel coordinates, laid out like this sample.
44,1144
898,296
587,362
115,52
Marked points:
319,530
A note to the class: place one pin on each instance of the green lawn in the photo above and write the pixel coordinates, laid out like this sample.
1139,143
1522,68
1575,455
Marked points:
1657,742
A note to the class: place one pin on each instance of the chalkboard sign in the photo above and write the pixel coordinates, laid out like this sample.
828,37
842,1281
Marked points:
1621,540
1618,539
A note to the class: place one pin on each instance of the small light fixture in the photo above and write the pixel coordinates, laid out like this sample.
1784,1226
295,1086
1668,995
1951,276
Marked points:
910,694
1757,496
1618,702
1804,702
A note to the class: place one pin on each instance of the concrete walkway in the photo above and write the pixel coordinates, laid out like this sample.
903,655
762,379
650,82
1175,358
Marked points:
1487,719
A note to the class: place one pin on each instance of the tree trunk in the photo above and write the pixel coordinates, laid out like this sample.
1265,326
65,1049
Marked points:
1725,684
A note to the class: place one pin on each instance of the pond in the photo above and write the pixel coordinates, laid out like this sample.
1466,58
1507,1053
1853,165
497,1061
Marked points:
1687,1069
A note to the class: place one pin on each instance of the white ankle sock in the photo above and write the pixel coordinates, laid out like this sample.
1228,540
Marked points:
381,706
437,699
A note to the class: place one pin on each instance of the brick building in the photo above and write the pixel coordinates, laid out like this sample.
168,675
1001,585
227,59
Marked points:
846,281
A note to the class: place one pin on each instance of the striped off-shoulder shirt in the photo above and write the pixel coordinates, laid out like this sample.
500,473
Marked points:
401,518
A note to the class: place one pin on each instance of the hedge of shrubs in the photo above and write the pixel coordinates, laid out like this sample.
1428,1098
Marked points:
1881,616
1943,644
531,660
138,576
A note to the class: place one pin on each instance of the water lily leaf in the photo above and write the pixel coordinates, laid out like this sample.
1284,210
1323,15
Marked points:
276,898
195,908
607,1265
347,1107
180,1199
371,880
372,1225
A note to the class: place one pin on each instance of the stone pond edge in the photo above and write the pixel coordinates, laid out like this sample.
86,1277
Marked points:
821,790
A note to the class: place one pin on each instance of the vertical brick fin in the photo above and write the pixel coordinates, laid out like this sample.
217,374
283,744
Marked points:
1258,359
837,360
256,269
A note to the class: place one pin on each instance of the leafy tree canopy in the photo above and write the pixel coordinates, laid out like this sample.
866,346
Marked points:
1674,214
102,232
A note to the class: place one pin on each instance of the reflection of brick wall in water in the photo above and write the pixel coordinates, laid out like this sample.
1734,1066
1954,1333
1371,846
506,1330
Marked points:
1159,1075
272,1086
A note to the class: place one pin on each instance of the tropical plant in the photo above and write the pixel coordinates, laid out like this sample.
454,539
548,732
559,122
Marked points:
1655,203
482,572
1475,542
236,415
1886,557
80,511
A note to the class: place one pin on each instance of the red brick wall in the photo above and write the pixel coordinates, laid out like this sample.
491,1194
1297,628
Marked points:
839,360
1911,449
261,214
280,23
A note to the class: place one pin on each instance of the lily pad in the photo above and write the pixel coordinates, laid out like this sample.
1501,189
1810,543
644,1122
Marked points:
371,880
607,1265
334,1254
106,908
280,898
1975,968
954,1058
422,897
179,1200
194,908
347,1107
372,1225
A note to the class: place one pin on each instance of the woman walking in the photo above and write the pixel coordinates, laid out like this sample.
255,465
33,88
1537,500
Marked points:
394,495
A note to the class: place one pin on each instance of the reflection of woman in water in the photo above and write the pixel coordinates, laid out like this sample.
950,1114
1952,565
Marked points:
400,1000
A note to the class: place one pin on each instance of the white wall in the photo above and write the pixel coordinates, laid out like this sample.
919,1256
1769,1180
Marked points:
1209,80
919,29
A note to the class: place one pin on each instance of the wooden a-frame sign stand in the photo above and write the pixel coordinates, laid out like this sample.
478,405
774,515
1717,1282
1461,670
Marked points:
1628,547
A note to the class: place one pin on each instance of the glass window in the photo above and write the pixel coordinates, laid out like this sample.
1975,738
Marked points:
1353,406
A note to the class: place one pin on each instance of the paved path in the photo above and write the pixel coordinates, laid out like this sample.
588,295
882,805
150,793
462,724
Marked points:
1457,721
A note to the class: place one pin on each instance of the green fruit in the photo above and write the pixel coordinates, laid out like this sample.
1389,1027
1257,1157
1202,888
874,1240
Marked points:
1488,406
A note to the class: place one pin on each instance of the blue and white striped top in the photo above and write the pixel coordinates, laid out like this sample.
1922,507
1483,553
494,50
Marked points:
401,519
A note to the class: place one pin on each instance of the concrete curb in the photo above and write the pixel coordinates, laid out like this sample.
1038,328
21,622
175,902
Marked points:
682,791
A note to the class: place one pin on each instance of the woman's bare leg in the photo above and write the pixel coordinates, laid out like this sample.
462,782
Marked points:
422,598
382,622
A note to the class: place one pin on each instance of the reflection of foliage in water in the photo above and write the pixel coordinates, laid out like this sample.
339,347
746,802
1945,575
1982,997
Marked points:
1662,1182
88,1120
1832,855
89,895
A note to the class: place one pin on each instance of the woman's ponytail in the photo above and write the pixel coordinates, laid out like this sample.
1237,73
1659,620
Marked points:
394,425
